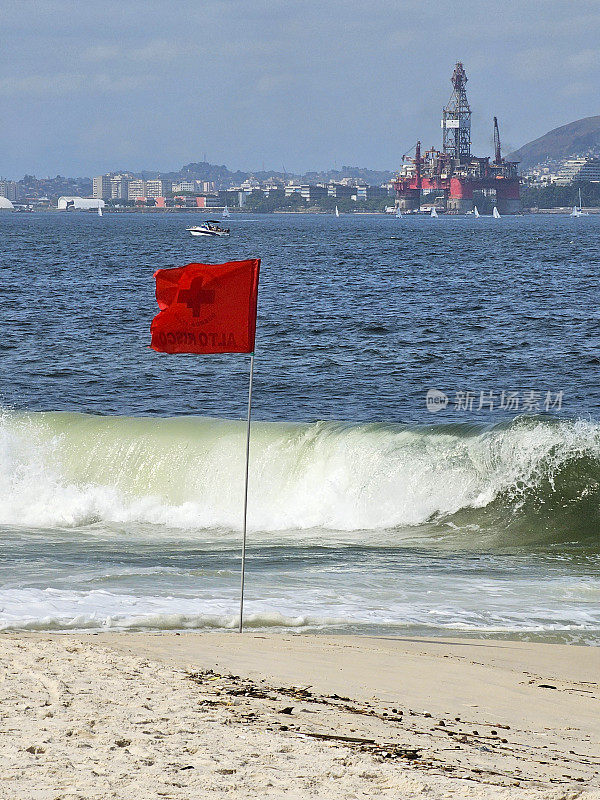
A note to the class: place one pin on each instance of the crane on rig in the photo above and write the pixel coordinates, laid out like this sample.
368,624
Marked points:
497,149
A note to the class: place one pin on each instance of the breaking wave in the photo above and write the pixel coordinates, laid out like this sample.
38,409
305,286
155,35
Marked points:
52,609
537,478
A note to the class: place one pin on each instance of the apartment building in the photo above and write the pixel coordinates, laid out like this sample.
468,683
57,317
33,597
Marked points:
102,187
157,188
579,169
136,189
9,189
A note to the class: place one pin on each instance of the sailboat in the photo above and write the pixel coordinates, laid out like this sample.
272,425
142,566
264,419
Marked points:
337,213
495,213
578,210
398,213
434,212
226,212
476,212
99,211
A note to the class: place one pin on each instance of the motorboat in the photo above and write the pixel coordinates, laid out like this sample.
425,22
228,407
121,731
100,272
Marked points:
211,227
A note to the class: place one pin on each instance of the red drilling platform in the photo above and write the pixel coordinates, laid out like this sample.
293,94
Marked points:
453,171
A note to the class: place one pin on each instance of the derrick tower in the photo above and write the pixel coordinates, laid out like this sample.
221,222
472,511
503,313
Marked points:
452,174
456,119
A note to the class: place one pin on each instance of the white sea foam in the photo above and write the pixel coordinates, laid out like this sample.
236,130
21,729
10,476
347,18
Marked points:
72,470
67,609
54,609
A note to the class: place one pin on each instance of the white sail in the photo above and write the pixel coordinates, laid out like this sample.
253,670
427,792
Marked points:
225,212
99,211
337,213
580,211
398,213
476,211
576,212
496,213
434,212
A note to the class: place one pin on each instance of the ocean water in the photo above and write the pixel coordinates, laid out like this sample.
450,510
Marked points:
370,511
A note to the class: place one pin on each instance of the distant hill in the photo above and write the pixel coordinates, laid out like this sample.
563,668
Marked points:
223,177
373,177
579,138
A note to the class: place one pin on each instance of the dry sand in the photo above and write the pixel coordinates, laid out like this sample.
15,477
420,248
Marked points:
122,715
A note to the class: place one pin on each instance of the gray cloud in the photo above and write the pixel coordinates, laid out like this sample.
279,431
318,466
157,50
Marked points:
151,84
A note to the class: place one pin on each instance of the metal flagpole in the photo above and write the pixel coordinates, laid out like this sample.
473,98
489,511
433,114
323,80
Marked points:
241,628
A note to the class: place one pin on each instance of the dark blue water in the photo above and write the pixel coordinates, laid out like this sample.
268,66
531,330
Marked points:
367,511
353,324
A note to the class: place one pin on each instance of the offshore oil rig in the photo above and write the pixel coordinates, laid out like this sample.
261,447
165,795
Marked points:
453,172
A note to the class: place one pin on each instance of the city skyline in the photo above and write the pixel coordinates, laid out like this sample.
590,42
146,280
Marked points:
295,86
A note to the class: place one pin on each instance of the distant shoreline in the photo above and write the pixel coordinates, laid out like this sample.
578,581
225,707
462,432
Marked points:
560,210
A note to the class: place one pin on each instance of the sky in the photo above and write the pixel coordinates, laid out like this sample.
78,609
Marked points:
87,87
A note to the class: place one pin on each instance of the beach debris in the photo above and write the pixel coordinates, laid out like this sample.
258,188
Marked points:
366,726
36,749
123,742
546,686
385,750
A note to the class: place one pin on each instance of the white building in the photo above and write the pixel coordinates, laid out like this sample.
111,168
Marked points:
579,169
157,188
250,184
79,203
192,186
136,189
185,186
541,176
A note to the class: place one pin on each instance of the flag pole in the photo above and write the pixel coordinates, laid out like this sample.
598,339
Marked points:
241,628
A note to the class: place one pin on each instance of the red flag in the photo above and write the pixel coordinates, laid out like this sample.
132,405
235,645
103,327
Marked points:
206,308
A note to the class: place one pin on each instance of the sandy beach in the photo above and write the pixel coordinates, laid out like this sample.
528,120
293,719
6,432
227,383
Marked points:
139,715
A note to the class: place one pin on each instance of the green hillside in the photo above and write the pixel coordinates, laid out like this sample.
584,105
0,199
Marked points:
578,138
